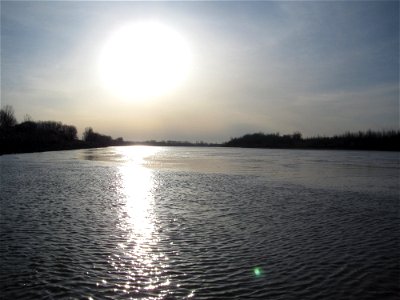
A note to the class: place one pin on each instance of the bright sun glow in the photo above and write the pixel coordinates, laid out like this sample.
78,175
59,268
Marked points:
144,59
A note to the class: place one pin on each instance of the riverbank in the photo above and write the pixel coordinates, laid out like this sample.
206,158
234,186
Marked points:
42,136
369,140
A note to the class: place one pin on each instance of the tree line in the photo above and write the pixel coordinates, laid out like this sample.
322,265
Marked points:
388,140
31,136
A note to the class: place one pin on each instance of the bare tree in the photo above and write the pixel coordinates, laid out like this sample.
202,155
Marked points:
28,118
87,134
7,118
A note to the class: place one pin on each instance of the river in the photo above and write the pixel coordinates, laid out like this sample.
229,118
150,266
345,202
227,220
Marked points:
143,222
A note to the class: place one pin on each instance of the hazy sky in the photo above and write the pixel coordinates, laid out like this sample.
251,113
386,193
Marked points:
314,67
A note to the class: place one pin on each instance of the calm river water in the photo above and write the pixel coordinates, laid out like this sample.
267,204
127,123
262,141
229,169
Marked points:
202,223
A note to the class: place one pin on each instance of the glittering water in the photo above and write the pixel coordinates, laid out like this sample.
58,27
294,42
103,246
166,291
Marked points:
201,223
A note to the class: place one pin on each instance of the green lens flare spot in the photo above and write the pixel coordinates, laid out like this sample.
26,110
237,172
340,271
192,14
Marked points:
257,271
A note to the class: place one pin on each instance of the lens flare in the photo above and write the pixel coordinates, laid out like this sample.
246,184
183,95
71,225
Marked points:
257,271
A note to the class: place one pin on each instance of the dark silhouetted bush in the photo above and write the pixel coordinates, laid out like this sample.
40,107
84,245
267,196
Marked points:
370,140
7,118
96,139
30,136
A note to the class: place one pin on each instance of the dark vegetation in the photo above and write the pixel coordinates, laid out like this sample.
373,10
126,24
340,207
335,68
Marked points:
30,136
99,140
369,140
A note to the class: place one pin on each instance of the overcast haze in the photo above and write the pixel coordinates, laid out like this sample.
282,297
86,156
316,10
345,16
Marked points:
315,67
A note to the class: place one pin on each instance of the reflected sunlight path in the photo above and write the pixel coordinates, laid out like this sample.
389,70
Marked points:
142,260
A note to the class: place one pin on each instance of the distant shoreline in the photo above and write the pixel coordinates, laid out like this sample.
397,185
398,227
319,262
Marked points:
369,141
42,136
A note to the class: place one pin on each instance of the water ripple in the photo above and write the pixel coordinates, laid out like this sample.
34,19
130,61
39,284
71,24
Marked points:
117,230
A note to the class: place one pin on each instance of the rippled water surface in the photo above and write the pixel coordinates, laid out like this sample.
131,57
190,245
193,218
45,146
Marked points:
201,223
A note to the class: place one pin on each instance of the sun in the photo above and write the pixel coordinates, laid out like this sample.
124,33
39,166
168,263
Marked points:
144,59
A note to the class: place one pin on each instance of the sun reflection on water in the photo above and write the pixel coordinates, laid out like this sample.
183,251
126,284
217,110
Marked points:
141,258
136,189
